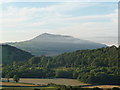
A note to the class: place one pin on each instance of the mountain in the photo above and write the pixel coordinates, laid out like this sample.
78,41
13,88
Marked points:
50,44
11,54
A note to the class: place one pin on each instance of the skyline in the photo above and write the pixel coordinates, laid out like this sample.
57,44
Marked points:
91,21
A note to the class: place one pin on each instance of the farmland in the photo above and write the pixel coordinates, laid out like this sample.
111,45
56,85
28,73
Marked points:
103,86
32,84
60,81
16,84
50,84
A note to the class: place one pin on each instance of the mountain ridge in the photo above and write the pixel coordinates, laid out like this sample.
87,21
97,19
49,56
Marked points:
52,44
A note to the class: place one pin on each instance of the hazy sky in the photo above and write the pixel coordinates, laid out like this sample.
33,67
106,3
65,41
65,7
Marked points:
93,21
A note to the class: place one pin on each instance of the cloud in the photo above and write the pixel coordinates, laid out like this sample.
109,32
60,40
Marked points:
92,28
31,21
48,15
6,1
17,16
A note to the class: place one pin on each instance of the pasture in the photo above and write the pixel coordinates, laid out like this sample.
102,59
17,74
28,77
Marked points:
60,81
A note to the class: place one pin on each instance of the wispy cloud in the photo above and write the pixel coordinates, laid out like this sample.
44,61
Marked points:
51,13
48,14
61,18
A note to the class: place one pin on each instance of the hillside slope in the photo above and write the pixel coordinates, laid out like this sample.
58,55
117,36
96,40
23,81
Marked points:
50,44
98,66
11,54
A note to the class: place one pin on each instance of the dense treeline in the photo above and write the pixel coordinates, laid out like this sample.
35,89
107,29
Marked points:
98,66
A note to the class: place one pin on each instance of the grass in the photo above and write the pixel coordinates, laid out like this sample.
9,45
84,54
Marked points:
32,84
60,81
22,88
67,82
103,86
17,84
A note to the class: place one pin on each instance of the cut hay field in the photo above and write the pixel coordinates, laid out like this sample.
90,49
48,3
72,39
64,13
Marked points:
16,84
24,86
34,84
67,82
103,86
60,81
29,88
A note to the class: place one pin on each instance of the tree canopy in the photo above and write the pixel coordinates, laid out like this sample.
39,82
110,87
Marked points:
98,66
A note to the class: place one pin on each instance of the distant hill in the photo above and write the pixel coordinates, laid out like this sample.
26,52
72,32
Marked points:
11,54
50,44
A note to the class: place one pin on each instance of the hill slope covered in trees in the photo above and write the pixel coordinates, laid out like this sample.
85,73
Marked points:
98,66
11,54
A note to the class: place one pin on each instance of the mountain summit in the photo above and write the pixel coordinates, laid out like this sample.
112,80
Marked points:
52,38
52,44
46,37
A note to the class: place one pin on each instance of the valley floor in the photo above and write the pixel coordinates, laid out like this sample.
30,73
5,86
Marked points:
60,81
17,84
37,84
103,86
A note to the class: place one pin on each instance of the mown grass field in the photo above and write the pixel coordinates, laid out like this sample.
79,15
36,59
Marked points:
103,86
16,84
36,84
29,88
24,86
60,81
32,84
67,82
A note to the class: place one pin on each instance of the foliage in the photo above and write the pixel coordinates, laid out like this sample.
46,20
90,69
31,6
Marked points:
11,54
98,66
7,77
16,78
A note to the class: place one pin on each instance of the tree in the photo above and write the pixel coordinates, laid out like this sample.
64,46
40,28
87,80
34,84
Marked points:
7,77
64,74
98,66
16,78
